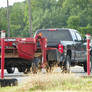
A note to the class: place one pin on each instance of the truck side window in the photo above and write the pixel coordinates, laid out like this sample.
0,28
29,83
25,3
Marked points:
73,35
78,36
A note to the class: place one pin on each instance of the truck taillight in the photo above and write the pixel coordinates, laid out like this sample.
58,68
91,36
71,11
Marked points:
60,48
51,29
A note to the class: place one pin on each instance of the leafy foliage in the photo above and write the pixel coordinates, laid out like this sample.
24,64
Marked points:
73,22
75,14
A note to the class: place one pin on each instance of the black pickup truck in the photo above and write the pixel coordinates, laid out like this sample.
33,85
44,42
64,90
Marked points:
65,47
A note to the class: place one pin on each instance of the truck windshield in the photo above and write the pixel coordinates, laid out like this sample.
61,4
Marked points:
63,35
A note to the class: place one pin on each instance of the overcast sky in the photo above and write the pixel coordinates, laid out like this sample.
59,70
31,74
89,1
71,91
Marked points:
3,3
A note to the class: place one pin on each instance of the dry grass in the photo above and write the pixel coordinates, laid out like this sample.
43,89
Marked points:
52,82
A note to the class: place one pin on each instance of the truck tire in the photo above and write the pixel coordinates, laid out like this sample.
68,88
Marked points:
67,64
27,70
85,65
20,69
10,69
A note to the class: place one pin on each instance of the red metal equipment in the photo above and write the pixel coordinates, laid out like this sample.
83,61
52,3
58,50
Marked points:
23,48
88,54
43,43
27,47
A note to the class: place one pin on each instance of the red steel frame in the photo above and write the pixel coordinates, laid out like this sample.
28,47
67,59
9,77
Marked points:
43,44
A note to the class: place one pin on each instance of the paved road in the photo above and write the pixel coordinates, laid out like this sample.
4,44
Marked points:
17,75
20,76
79,71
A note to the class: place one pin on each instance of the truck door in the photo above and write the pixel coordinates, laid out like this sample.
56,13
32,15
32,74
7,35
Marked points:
80,48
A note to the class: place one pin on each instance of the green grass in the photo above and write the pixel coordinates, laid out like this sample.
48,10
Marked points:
52,82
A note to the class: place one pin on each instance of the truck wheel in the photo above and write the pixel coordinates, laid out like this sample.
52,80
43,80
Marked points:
20,69
27,70
90,63
85,65
67,64
10,70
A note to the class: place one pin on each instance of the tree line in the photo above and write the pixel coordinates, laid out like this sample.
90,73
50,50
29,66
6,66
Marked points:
76,14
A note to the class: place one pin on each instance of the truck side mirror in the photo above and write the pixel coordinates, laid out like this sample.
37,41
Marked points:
84,39
76,40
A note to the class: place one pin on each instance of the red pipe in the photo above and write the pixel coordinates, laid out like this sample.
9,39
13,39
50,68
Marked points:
43,43
88,54
2,53
44,52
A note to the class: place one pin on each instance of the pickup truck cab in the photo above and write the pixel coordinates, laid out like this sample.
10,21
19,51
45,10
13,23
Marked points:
65,47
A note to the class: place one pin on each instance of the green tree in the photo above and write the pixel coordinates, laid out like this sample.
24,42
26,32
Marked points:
17,19
75,14
87,29
73,22
3,19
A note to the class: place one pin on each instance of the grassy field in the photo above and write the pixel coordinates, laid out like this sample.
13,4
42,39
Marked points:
52,82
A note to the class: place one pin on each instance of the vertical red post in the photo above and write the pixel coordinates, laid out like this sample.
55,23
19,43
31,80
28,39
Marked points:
44,46
2,53
43,43
88,53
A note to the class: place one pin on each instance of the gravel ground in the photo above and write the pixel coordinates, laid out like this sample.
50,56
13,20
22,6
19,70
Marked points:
77,70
